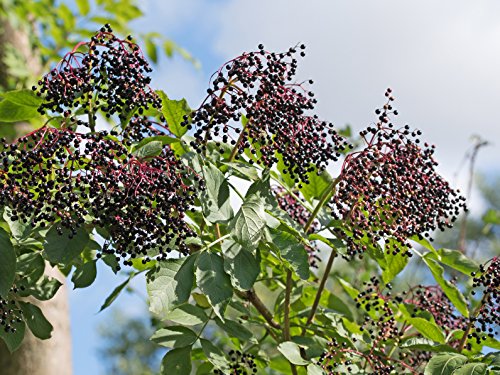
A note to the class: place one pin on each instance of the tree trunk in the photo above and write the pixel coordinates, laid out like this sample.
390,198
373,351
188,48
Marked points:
37,357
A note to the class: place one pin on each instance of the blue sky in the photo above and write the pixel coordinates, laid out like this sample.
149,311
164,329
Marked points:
440,58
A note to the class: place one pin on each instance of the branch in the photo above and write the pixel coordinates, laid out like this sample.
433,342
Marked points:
259,305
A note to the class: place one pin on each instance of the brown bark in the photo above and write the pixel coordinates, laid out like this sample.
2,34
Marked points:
37,357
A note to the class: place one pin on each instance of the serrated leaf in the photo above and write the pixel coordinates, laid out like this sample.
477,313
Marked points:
317,186
292,251
20,231
246,170
213,281
30,266
174,112
177,361
394,263
474,368
444,363
149,150
235,329
84,275
422,343
214,354
427,328
36,321
115,293
451,291
458,261
189,315
353,292
215,199
291,351
169,284
174,337
43,290
7,263
240,264
249,222
13,112
313,369
23,97
62,249
14,340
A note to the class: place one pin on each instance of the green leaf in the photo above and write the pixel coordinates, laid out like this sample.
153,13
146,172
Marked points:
245,170
63,249
240,264
451,291
149,150
394,264
421,343
84,275
457,260
169,284
317,185
292,251
213,281
177,361
214,354
20,231
215,199
13,340
7,263
174,337
313,369
43,290
352,291
83,7
189,315
235,329
492,217
444,363
151,50
164,139
37,323
23,97
249,223
12,112
291,351
473,368
174,112
427,328
30,266
115,293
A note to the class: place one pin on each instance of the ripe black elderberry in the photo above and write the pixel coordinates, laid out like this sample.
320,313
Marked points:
391,190
241,364
258,86
288,203
58,176
10,312
110,75
486,319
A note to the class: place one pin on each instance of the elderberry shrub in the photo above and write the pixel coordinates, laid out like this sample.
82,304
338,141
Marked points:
257,88
240,364
10,312
288,203
58,176
486,319
391,191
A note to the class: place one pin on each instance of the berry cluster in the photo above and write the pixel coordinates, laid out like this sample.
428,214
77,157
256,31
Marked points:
241,364
10,313
391,191
58,176
258,86
487,317
288,203
433,300
110,75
